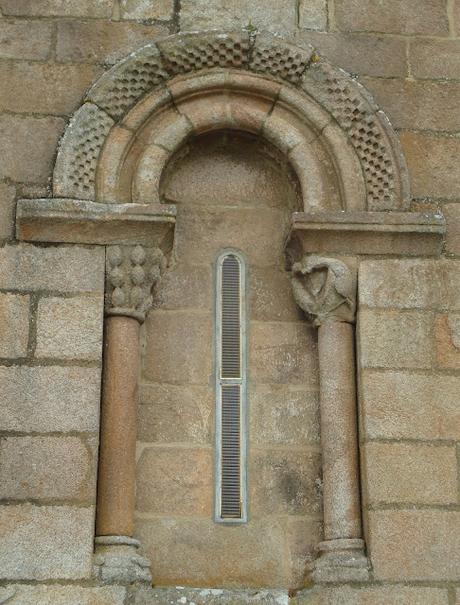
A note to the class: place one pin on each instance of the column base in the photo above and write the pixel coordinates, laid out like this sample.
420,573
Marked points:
341,560
116,561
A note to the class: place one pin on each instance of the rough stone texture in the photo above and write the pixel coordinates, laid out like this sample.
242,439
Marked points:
63,595
393,16
209,596
66,269
14,322
58,8
417,474
268,300
377,595
313,14
415,545
400,405
185,477
429,58
447,336
29,146
69,328
433,163
39,543
47,467
7,199
25,39
49,399
393,339
146,9
452,214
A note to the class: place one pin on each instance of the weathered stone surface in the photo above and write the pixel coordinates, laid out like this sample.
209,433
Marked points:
174,413
145,9
303,534
433,163
447,336
415,545
452,214
284,482
57,8
178,346
430,58
58,89
185,287
25,39
283,415
7,198
366,55
61,268
46,542
70,328
47,467
102,41
64,595
410,406
415,104
392,17
410,473
271,296
175,481
14,324
199,552
313,14
378,595
29,147
393,339
283,352
210,596
49,399
237,13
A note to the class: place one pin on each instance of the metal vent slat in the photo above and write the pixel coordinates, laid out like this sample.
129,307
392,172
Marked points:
231,322
231,452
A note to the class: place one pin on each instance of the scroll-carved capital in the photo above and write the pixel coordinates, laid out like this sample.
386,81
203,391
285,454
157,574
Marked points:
325,289
131,274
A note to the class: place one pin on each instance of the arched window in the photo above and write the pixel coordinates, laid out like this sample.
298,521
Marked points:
230,339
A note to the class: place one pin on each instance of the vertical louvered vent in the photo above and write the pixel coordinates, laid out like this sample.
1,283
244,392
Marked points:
230,493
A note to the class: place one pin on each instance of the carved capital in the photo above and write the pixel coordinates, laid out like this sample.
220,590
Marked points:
325,289
131,274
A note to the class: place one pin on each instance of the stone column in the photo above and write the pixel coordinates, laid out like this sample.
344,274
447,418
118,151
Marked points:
325,289
131,272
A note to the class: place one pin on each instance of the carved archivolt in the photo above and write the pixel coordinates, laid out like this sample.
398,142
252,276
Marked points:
143,109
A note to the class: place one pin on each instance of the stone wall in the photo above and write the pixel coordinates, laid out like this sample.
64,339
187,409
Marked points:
407,53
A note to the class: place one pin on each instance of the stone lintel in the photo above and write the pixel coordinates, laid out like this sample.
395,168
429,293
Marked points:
74,221
369,233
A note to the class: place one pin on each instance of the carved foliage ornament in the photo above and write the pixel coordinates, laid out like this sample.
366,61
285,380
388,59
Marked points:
325,289
131,274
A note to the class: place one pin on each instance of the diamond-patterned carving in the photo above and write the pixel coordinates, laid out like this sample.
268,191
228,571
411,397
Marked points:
192,52
279,58
75,170
128,81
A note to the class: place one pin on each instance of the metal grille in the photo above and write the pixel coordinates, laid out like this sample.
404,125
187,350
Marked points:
231,325
231,456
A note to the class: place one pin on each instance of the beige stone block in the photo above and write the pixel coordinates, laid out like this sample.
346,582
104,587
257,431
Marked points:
200,552
7,205
58,89
45,542
64,595
25,39
392,339
434,164
385,595
392,16
271,296
313,14
102,41
447,337
174,413
416,104
14,324
303,534
28,147
228,14
452,214
185,287
284,482
70,328
410,406
410,473
283,352
37,468
283,415
146,9
49,399
66,269
363,54
402,284
434,58
415,545
175,481
178,346
57,8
